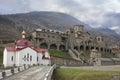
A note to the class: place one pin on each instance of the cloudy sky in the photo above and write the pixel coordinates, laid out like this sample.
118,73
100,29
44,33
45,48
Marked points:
96,13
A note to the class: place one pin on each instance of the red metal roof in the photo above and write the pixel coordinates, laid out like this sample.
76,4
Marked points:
13,48
39,50
10,48
24,42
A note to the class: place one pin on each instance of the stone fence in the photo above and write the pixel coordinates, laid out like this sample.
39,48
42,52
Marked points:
60,61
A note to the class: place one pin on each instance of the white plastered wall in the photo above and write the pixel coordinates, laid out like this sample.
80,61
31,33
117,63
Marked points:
7,58
21,60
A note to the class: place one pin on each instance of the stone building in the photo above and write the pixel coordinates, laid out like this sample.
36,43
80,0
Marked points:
95,57
72,38
97,60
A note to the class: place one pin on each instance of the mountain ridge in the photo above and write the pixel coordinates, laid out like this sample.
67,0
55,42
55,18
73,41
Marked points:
15,23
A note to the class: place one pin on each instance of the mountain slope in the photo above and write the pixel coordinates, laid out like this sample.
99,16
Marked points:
13,24
52,20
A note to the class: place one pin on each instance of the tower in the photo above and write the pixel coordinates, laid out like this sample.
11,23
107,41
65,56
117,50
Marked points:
99,39
79,28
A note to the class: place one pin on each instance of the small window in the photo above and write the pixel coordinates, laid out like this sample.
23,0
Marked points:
24,57
71,31
98,39
30,58
48,36
12,58
53,36
37,58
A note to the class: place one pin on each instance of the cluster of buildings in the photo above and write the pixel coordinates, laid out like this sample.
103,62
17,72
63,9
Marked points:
72,38
23,52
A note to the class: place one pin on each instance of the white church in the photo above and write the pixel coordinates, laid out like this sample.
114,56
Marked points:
23,52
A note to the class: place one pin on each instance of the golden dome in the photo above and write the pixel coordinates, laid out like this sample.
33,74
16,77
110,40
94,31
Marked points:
23,33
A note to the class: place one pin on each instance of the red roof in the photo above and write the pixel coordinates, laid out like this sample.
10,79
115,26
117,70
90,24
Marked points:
12,48
39,50
24,42
47,58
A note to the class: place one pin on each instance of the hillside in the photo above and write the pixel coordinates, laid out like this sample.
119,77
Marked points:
11,25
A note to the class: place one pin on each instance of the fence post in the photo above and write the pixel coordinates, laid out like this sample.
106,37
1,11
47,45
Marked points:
3,74
19,69
12,71
24,66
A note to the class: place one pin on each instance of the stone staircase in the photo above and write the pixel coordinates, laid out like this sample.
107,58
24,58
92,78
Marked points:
77,55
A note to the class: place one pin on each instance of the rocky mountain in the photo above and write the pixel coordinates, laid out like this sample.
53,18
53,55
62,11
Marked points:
11,25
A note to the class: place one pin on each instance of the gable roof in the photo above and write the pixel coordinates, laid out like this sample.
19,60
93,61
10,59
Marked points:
8,48
24,42
13,49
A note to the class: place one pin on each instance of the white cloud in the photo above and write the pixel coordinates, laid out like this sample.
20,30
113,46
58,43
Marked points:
92,12
116,28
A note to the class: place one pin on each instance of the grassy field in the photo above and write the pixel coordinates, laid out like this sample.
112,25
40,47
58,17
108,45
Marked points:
77,74
1,50
63,54
1,59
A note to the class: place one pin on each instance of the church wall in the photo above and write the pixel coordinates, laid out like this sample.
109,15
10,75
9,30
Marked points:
46,62
39,55
43,61
17,58
4,57
27,56
8,58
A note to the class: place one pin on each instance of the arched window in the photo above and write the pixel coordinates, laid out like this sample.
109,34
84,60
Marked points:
30,58
37,58
27,56
24,57
12,58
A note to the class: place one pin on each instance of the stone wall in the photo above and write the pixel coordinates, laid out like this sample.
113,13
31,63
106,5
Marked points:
66,62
